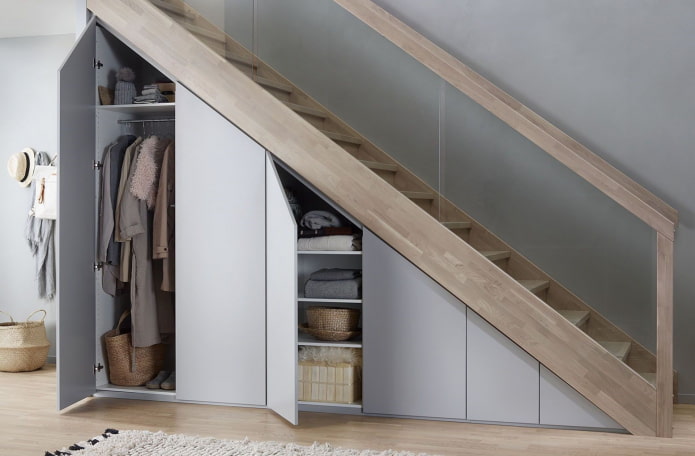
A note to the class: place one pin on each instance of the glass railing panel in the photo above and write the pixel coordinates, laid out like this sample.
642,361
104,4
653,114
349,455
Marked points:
365,80
563,224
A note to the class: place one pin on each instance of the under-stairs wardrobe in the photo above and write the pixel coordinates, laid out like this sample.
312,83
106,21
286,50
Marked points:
237,299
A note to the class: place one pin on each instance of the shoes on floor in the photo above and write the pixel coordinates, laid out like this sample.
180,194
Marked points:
170,382
156,383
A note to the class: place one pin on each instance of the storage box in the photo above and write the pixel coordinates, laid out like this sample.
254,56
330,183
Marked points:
323,382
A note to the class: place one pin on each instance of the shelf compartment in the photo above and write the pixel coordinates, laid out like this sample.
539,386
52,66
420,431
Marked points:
153,108
329,301
307,340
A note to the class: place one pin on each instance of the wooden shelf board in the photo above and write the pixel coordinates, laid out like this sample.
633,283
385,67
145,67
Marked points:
329,252
307,340
140,108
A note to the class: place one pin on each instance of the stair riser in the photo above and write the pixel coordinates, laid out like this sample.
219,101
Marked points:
386,175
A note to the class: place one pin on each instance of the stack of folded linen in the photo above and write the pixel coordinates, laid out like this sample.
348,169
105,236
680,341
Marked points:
151,94
322,230
334,284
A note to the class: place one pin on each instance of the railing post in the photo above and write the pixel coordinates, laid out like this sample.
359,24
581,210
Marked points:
664,336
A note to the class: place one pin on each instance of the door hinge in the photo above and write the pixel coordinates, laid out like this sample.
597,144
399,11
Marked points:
98,266
97,64
97,165
98,368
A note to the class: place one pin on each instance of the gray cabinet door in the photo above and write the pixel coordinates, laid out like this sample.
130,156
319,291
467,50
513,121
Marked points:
503,380
562,405
414,335
76,229
281,285
220,264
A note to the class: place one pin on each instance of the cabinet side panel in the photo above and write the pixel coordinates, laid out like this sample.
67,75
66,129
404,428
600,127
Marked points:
220,264
414,339
562,405
503,380
282,300
76,226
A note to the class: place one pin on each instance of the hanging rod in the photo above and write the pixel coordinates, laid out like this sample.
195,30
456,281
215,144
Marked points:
142,121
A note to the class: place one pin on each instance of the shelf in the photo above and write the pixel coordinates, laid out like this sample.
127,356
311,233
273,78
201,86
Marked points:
153,108
329,252
307,340
135,389
357,405
328,300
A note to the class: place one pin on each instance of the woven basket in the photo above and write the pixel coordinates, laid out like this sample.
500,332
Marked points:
335,319
128,365
23,345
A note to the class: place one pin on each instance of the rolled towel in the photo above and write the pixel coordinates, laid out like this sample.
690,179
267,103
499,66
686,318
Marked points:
335,274
319,219
333,289
330,243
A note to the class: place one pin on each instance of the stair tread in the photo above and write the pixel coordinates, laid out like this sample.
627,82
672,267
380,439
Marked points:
618,349
241,59
576,317
534,286
265,82
306,109
418,195
496,255
649,376
380,166
457,225
172,8
200,31
341,137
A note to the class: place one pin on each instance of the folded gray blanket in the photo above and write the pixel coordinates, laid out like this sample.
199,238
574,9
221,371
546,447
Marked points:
319,219
333,289
336,274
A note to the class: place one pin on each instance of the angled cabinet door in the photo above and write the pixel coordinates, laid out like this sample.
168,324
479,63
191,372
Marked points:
281,283
76,226
220,258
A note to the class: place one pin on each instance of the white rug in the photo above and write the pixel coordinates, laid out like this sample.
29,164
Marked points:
145,443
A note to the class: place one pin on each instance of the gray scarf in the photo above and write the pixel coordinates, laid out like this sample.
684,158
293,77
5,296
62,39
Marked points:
39,235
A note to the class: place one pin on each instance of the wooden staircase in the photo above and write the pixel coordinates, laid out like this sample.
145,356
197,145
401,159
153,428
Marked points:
611,382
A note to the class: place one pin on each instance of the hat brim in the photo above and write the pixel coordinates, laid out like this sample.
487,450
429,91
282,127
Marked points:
31,164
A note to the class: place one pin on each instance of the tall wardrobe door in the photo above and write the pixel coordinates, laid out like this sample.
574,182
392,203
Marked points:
281,238
76,229
220,258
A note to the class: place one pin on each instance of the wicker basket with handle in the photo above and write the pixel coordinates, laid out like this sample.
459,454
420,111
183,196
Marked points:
128,365
333,318
23,345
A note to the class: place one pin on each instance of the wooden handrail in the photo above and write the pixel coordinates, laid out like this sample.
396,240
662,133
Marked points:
595,170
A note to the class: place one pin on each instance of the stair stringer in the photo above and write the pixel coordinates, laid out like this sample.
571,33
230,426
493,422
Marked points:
499,299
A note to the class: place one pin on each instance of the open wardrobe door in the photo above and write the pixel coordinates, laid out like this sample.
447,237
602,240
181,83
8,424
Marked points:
76,227
281,280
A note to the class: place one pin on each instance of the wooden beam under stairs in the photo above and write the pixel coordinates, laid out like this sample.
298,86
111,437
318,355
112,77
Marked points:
306,110
535,286
618,349
577,317
429,245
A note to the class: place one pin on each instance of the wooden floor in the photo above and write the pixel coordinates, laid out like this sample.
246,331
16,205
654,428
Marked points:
29,425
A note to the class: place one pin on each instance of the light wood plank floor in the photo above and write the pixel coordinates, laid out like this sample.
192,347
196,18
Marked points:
29,425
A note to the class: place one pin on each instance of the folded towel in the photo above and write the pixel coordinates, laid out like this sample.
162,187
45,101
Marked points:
335,274
327,231
319,219
333,289
330,243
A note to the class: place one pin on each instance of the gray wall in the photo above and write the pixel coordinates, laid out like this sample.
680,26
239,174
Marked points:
28,118
614,75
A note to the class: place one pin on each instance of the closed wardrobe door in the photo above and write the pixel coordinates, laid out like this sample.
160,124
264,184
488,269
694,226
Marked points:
220,258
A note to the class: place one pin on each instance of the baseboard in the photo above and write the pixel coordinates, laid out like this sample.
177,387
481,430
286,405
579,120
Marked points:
686,398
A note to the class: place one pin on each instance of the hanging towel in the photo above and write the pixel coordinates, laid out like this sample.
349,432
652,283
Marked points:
39,235
319,219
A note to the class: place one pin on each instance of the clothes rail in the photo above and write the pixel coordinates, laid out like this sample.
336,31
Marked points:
143,121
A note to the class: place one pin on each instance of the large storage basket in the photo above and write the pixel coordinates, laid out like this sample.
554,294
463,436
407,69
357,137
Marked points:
128,365
23,345
333,318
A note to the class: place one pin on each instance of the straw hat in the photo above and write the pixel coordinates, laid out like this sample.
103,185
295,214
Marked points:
21,166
